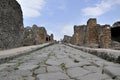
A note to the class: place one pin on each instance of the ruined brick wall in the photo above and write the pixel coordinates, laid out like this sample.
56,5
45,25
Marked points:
11,24
91,34
76,35
82,34
43,34
29,37
34,35
67,39
104,36
79,35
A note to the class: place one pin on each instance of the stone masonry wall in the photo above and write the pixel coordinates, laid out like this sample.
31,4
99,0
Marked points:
91,35
76,35
67,39
29,37
36,32
34,35
104,36
42,34
79,34
11,24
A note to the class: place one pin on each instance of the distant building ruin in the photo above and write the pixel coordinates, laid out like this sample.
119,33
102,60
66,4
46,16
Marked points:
36,35
92,35
67,39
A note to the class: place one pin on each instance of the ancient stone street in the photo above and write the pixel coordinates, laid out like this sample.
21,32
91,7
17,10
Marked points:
58,62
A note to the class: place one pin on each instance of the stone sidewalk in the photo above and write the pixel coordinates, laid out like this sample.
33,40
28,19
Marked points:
107,54
59,62
6,55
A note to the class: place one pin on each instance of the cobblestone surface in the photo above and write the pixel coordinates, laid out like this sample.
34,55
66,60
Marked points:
59,62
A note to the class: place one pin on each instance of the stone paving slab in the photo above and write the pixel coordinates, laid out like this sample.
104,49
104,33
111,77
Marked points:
112,71
53,76
76,72
41,70
53,63
53,69
27,67
95,76
6,55
92,69
58,62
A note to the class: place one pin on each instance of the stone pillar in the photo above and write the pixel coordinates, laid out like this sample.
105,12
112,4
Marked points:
91,35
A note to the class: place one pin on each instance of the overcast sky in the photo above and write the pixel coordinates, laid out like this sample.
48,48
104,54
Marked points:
59,16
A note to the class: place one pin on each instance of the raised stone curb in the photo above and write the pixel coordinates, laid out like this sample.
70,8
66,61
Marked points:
114,72
112,55
107,54
8,55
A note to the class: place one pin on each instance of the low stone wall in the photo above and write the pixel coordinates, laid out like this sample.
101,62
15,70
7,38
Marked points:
8,55
107,54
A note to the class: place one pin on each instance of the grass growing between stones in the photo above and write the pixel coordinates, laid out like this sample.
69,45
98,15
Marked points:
17,65
63,66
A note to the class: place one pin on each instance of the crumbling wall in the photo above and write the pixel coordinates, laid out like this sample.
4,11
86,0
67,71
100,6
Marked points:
82,34
104,36
34,35
91,34
42,34
67,39
76,35
11,24
29,37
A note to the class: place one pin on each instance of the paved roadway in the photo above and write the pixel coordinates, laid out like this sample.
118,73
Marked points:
56,62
